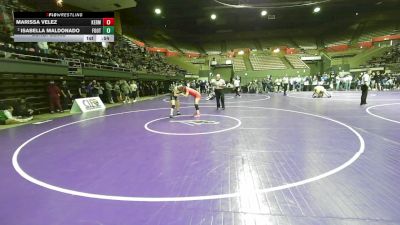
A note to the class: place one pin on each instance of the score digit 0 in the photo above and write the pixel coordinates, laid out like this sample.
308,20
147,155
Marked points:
108,30
108,21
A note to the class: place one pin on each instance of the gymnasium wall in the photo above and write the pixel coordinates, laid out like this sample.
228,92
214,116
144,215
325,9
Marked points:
31,67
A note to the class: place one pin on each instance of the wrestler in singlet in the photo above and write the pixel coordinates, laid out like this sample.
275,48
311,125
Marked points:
193,93
174,100
197,96
319,92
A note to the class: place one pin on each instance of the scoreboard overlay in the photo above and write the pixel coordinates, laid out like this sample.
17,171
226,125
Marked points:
64,26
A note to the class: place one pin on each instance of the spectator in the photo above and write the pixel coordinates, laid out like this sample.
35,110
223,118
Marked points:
82,91
108,92
43,47
134,89
23,109
54,97
7,118
117,92
100,90
66,95
236,84
94,89
125,89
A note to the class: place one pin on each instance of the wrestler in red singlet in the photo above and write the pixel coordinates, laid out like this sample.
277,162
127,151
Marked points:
197,96
193,93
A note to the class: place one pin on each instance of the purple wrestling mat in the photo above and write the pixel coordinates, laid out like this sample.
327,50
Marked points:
264,160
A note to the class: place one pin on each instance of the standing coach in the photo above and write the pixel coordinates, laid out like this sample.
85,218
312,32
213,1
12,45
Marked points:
219,85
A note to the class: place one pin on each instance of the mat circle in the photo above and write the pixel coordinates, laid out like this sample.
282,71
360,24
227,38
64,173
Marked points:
41,183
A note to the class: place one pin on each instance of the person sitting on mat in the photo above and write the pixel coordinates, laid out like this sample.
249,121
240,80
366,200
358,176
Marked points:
320,91
175,104
6,117
186,91
211,96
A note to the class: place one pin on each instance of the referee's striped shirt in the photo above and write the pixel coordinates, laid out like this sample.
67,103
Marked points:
219,84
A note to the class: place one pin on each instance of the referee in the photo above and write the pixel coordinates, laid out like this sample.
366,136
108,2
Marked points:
219,85
285,82
365,80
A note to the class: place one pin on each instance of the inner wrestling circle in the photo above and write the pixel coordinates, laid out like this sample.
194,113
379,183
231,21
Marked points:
183,125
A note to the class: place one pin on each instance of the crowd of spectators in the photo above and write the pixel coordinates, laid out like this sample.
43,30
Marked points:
120,91
60,95
390,57
340,82
121,54
118,55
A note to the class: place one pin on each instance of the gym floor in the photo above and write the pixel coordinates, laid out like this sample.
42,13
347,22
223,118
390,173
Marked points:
266,159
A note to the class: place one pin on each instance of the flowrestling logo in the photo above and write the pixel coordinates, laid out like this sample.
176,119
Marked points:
87,104
196,122
91,104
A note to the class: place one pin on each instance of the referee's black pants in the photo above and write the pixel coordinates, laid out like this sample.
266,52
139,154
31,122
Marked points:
220,98
364,89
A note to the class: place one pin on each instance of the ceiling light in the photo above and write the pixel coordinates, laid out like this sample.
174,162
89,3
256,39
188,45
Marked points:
317,9
157,11
213,16
59,3
264,13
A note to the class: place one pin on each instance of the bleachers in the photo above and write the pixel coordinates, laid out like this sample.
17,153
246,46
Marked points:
296,61
221,59
373,32
122,56
391,56
185,47
212,48
230,45
129,42
267,44
335,41
263,62
238,64
32,88
159,44
306,43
